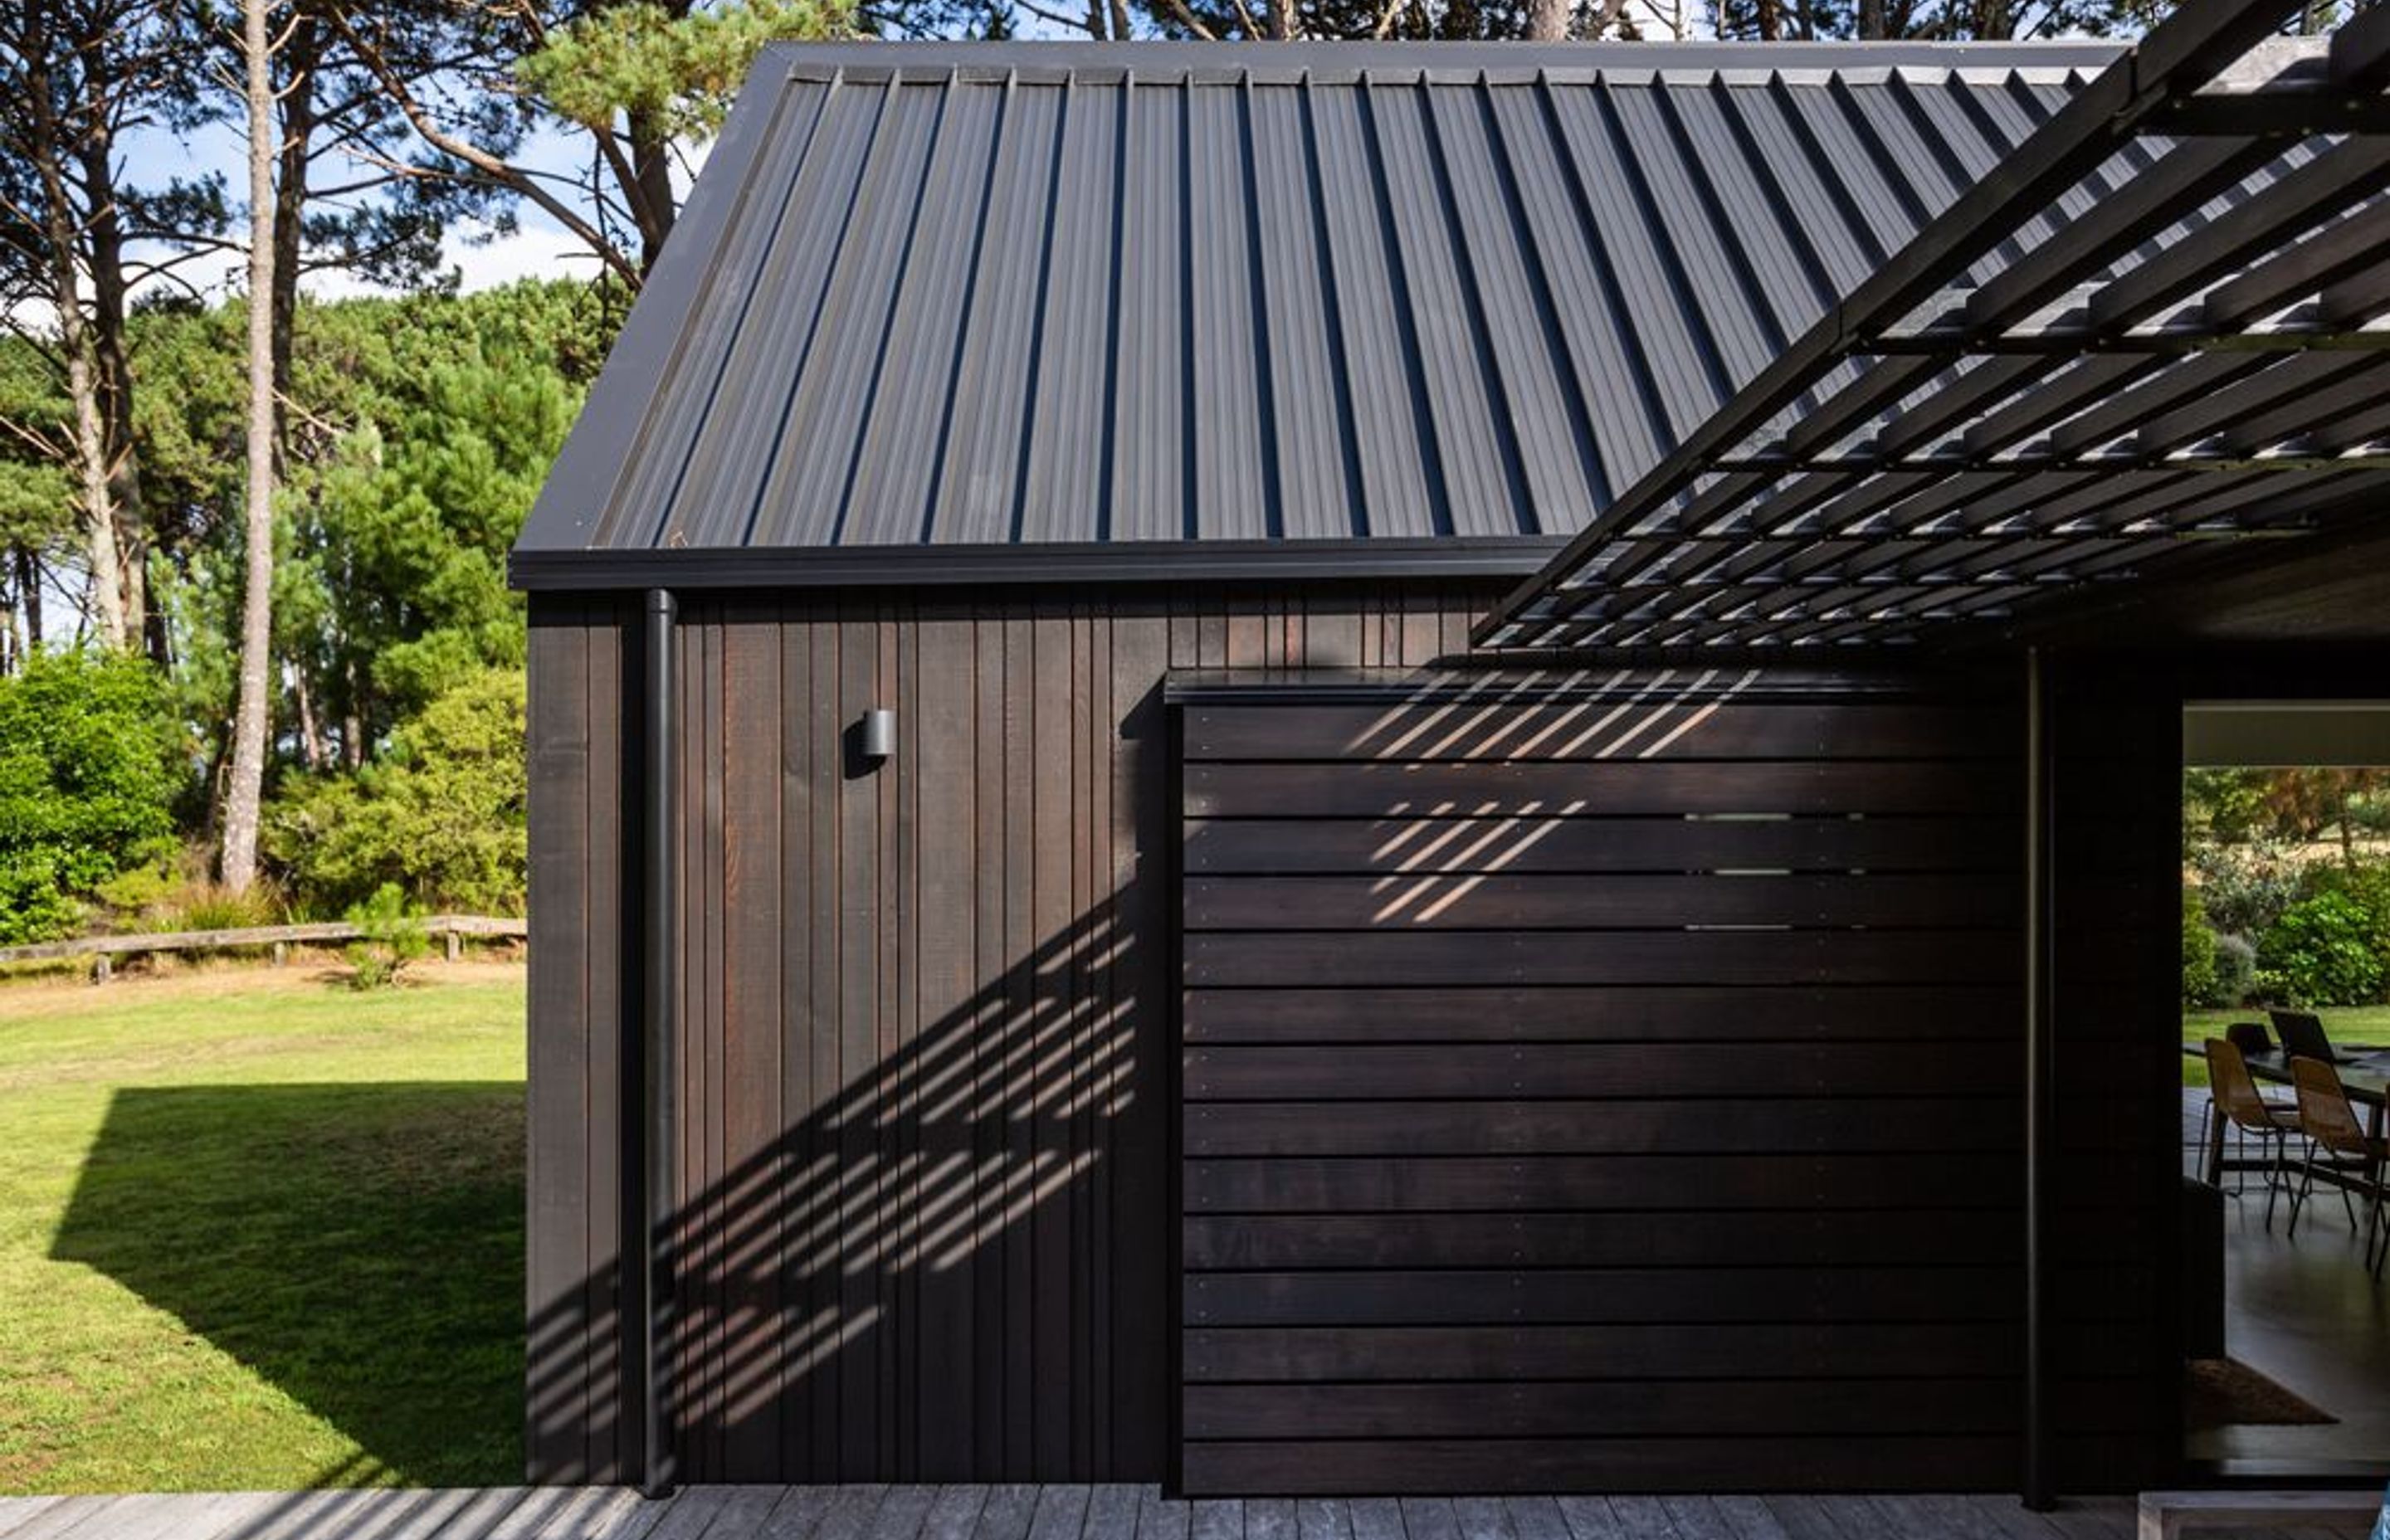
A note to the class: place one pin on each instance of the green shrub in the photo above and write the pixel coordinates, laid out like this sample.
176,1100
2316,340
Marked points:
393,937
2321,952
2236,969
2202,986
2245,888
440,815
87,784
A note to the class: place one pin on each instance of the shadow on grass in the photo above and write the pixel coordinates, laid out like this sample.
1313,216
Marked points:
358,1246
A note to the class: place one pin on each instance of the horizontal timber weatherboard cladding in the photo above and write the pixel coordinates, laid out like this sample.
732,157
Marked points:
924,1108
1553,1071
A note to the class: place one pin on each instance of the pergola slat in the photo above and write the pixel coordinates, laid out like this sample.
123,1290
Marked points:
2332,182
2122,350
2351,247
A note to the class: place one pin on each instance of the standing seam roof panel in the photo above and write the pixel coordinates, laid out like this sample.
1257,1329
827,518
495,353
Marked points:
1147,487
1542,376
810,474
1014,295
1305,396
732,441
1399,487
1066,431
979,458
911,401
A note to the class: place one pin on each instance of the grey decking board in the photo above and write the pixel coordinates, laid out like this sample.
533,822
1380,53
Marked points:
51,1513
902,1513
1014,1512
1696,1518
298,1514
481,1513
1161,1518
748,1509
1482,1519
1061,1513
1269,1519
1430,1519
799,1514
1224,1519
2012,1519
65,1518
1112,1512
1006,1514
850,1512
1644,1518
1861,1518
576,1517
1750,1518
1323,1519
538,1509
1802,1517
1537,1519
955,1513
1591,1518
690,1515
412,1513
137,1516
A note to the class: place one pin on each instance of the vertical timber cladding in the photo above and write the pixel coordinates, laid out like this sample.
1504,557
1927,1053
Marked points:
925,1214
1603,1094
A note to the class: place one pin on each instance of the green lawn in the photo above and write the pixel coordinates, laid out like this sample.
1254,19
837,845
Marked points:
2352,1024
258,1230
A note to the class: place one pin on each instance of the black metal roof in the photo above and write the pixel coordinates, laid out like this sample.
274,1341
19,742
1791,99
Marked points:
971,312
2057,385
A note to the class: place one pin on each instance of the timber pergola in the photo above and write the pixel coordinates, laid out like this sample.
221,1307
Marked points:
2046,392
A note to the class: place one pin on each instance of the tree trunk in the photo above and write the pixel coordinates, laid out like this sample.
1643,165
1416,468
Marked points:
310,731
1873,22
110,355
91,467
1547,20
29,598
298,56
652,199
238,866
60,235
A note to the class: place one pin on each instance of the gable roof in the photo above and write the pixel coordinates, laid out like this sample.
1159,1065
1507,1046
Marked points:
1213,310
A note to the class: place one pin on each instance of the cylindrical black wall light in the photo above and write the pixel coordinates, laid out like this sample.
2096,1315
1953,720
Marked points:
879,736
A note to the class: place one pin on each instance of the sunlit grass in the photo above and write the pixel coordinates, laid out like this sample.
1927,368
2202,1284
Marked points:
259,1230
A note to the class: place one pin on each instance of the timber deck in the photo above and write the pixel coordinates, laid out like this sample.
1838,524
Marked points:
1030,1513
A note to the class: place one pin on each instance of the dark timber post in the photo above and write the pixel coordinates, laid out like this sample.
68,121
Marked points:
2038,999
660,902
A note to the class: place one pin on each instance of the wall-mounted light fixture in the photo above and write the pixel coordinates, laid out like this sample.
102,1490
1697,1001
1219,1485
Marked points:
879,736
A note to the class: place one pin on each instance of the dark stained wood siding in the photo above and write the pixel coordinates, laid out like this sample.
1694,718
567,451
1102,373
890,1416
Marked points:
578,1414
1609,1095
930,1073
924,1106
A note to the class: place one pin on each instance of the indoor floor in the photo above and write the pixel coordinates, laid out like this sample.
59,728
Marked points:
2304,1313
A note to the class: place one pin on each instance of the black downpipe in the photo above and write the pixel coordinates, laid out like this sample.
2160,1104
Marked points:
2039,998
660,903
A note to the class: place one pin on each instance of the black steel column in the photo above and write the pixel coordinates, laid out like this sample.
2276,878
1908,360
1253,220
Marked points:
659,904
2039,1000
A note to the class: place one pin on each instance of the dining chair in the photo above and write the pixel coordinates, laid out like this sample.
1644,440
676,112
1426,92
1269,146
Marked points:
2329,1121
2233,1096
